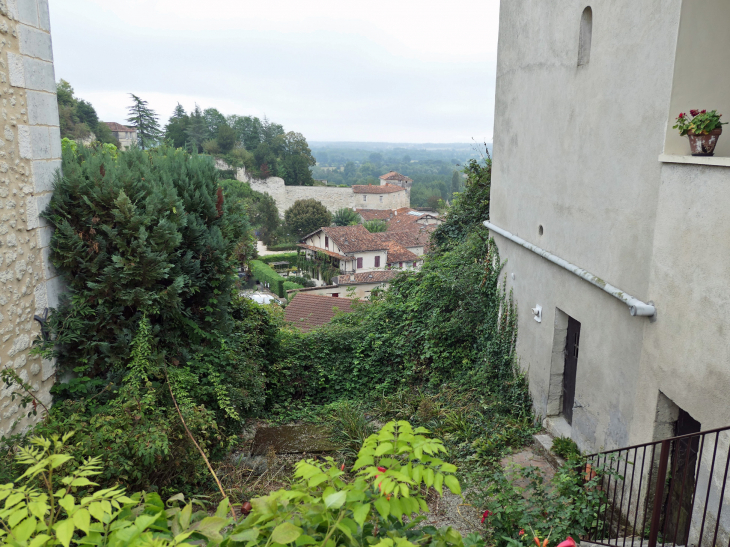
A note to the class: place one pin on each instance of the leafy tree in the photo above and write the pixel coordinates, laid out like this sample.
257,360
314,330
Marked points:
249,130
145,120
196,130
176,128
78,118
455,182
373,226
270,130
306,216
226,137
213,122
345,217
296,158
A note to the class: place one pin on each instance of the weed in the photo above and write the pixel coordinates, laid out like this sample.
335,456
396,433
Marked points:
565,448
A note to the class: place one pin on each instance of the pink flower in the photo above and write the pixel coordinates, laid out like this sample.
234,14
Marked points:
703,111
694,112
522,532
343,467
570,542
382,469
485,515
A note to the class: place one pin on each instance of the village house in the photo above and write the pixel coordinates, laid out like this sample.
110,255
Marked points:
395,178
616,239
127,136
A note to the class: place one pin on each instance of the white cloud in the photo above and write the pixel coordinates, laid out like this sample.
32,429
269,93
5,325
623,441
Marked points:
400,71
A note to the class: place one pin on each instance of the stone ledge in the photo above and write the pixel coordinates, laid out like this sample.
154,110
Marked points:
715,161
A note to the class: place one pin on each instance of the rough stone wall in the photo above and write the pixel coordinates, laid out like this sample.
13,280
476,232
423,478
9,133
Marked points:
331,197
30,152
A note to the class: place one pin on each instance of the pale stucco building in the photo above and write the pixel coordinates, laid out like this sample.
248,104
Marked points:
127,136
616,240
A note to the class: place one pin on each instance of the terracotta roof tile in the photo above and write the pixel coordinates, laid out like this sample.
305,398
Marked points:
353,239
394,175
114,126
375,214
376,276
309,311
408,238
372,189
398,253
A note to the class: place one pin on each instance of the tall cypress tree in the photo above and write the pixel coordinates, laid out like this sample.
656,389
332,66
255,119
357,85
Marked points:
145,120
175,130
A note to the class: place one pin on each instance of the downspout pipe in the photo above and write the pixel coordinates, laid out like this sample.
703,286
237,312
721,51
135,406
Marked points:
637,308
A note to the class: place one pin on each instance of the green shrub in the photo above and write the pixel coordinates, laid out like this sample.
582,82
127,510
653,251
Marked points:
283,247
375,226
345,217
565,447
324,507
265,274
291,258
290,285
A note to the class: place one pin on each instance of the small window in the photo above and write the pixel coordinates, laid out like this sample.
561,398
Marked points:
335,295
400,264
586,31
364,198
359,262
377,261
326,242
381,199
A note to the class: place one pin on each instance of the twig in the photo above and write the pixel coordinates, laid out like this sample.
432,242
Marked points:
210,468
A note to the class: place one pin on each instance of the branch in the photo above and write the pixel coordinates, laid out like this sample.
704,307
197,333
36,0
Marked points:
210,468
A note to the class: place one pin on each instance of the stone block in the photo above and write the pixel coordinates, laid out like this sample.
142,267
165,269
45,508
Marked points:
54,133
44,174
42,108
49,272
35,43
54,288
40,297
41,202
24,144
38,75
27,12
48,368
44,18
40,143
44,236
12,9
16,68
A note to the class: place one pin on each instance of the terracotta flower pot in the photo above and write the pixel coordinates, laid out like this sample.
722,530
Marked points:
704,145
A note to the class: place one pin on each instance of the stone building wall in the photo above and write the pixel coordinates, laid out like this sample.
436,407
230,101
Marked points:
30,155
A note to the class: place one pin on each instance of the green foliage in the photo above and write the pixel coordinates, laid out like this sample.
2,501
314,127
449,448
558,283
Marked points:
290,285
394,467
305,216
470,208
349,428
261,208
565,447
698,122
266,274
175,130
283,247
145,121
345,217
291,258
568,505
375,225
78,119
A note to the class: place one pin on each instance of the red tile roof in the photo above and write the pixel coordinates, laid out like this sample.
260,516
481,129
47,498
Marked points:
376,276
375,214
114,126
309,311
398,253
408,238
351,239
394,175
372,189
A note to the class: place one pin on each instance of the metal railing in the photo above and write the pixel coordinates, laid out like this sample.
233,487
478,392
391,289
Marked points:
669,492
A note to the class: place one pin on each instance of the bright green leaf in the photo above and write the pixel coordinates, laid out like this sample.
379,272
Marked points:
64,531
452,484
336,500
285,533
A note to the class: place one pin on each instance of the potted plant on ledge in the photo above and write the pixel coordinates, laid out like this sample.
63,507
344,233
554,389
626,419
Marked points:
703,128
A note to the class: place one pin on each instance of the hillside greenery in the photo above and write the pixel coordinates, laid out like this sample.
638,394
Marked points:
78,118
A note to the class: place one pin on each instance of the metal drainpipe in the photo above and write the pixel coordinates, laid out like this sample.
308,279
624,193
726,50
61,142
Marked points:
636,306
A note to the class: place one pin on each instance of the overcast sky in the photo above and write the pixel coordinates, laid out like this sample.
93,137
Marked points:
334,70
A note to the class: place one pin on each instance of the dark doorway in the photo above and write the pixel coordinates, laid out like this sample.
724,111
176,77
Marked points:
682,482
571,368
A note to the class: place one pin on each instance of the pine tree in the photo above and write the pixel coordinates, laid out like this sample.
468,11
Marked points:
145,120
175,130
197,130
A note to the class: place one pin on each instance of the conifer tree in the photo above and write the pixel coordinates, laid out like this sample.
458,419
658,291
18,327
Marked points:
145,120
175,130
197,130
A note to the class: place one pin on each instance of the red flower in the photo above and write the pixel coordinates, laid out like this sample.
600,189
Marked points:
703,111
485,515
343,467
382,469
522,532
681,115
570,542
694,112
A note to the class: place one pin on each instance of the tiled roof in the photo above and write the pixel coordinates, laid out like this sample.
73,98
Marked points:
377,276
398,253
353,239
372,189
308,311
408,238
375,214
325,251
394,175
114,126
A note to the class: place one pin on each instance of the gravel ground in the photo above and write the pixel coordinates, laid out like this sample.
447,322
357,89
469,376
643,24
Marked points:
453,510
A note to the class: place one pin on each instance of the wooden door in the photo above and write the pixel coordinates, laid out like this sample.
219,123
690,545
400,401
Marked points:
571,367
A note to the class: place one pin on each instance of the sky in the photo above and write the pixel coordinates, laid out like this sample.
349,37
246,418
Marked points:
384,70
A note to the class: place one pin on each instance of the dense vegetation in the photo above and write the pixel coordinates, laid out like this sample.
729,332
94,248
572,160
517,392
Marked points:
78,118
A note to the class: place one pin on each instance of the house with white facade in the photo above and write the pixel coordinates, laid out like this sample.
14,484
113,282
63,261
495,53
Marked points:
616,239
127,136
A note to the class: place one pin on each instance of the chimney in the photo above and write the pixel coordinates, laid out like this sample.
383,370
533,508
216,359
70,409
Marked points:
352,277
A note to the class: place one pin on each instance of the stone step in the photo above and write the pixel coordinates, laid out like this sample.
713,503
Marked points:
543,445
